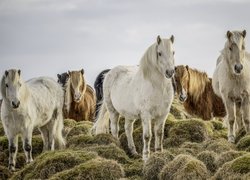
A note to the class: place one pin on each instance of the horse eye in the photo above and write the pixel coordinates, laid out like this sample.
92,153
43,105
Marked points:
6,85
159,53
230,48
20,84
173,52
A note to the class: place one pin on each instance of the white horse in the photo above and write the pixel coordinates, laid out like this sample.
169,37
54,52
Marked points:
231,81
143,92
35,103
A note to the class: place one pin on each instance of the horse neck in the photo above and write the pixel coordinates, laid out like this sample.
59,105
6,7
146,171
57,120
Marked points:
197,83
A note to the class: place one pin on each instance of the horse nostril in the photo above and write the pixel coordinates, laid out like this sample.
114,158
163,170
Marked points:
238,68
170,73
15,105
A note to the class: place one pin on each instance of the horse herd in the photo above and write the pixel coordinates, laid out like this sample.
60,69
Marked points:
142,92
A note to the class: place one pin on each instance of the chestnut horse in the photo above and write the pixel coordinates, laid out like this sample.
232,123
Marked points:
80,99
194,89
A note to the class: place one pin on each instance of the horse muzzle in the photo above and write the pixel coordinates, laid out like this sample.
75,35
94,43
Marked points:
238,68
170,73
182,97
15,105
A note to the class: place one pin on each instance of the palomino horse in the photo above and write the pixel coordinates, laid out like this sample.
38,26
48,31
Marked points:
231,81
26,105
80,100
194,89
143,92
99,89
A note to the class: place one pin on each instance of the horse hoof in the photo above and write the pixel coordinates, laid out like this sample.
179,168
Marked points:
231,139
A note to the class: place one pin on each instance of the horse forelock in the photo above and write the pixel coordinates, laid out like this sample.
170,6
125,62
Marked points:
197,83
237,39
77,80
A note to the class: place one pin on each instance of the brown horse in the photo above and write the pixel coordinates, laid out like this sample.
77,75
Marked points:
194,88
80,99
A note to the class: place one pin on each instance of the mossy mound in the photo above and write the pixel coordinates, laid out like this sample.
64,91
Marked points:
177,110
184,167
192,130
50,163
195,147
218,145
155,163
110,151
4,173
219,131
93,169
235,168
228,156
2,133
82,141
3,143
80,129
177,151
133,168
68,125
244,143
208,158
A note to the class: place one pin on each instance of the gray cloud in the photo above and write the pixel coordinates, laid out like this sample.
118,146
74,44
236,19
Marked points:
46,37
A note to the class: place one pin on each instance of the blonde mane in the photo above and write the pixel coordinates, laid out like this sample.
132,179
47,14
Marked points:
197,83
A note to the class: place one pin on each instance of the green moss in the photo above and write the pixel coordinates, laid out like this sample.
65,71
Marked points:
228,156
218,125
208,158
82,141
4,173
177,110
50,163
218,145
244,143
186,130
2,133
3,143
235,168
93,169
177,151
184,167
155,163
195,148
69,123
81,129
110,151
133,168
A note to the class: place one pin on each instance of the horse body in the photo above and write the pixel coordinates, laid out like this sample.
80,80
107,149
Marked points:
232,82
40,105
195,91
80,100
142,92
98,85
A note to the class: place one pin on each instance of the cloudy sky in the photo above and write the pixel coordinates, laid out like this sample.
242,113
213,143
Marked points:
46,37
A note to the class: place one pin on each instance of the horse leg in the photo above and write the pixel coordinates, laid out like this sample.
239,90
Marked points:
147,135
239,123
246,116
27,145
13,147
231,118
129,127
114,119
159,132
45,135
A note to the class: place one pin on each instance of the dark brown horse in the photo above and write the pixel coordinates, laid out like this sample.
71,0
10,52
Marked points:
80,99
194,89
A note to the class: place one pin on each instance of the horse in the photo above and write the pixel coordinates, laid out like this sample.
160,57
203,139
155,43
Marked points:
142,92
62,78
195,91
231,81
80,99
26,105
98,88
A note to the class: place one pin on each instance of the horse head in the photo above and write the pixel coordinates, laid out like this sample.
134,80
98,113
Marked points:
165,56
63,78
77,84
12,83
182,80
235,50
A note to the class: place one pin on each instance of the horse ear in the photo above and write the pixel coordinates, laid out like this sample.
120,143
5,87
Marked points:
158,39
69,73
175,68
187,67
172,39
244,33
6,73
19,72
82,71
229,34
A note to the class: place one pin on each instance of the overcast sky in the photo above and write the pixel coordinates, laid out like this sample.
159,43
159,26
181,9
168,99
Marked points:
46,37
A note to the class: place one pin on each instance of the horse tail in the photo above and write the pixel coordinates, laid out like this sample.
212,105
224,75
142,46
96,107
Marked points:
60,142
102,121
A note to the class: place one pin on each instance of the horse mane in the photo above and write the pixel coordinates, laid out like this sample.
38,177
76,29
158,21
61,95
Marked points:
197,83
145,63
3,87
67,97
